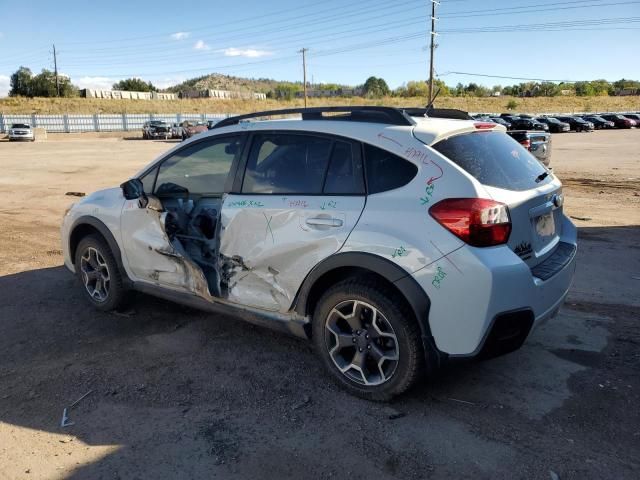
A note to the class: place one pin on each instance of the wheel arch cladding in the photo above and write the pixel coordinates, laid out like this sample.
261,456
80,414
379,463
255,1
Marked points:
342,265
87,225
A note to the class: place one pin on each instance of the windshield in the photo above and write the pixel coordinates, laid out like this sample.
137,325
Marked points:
20,125
494,159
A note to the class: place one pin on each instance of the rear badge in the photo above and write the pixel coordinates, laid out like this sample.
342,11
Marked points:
524,250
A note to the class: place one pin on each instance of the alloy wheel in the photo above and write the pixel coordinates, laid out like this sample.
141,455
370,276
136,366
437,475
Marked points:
95,274
361,342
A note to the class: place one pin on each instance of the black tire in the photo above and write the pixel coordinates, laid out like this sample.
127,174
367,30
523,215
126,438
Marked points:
410,355
116,294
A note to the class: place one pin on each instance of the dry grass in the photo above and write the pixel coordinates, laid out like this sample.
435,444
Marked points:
471,104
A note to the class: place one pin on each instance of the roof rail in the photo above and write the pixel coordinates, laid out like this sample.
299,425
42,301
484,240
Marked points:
373,114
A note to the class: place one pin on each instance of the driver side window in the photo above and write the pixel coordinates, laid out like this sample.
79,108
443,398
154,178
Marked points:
201,168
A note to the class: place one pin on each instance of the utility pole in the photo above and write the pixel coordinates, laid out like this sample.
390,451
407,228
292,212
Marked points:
55,67
432,48
304,74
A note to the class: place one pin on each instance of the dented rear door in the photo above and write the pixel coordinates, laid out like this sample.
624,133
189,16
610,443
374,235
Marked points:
300,197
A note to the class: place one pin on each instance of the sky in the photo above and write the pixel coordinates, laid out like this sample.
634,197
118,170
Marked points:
167,42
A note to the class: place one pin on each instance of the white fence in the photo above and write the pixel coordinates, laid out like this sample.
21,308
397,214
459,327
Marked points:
100,123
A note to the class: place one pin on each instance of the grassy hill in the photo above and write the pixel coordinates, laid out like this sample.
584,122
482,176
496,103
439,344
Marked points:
206,105
217,81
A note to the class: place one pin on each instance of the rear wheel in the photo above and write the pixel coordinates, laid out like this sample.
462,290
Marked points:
98,273
368,339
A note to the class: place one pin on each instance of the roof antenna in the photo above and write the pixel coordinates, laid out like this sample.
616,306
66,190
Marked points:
430,105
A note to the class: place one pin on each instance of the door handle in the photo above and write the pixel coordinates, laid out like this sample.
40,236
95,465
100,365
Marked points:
327,222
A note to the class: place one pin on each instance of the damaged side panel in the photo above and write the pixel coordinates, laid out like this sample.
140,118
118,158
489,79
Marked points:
275,254
253,253
268,247
171,243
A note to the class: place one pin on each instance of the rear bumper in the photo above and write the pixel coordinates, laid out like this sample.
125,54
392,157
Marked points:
484,286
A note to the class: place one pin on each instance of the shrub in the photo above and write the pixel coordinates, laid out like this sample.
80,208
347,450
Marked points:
512,104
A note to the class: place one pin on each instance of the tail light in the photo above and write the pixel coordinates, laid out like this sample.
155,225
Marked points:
526,143
479,222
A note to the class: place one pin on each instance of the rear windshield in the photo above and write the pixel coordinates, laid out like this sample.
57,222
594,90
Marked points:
494,159
20,125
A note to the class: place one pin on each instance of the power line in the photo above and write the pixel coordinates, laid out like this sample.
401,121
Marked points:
287,43
531,9
243,21
451,72
275,26
549,25
520,7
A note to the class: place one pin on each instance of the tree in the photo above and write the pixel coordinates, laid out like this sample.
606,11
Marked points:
375,87
476,90
286,91
134,85
439,85
584,89
21,82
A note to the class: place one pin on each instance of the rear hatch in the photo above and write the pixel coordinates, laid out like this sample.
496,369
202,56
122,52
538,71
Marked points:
513,176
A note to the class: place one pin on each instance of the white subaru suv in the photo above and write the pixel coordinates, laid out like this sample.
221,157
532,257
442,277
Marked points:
394,239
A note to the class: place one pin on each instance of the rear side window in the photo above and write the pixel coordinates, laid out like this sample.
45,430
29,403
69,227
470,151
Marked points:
284,163
386,171
494,159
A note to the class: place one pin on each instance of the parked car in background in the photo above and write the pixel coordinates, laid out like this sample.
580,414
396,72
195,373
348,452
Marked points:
156,129
538,143
391,240
618,120
501,121
528,124
576,123
190,129
21,131
633,116
598,122
555,125
176,130
509,118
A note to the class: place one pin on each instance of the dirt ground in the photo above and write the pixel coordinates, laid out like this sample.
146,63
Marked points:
176,393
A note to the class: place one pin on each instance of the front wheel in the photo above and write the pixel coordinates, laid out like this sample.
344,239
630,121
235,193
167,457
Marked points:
98,273
368,339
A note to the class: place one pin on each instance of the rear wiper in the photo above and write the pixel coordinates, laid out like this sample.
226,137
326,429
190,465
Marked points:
542,176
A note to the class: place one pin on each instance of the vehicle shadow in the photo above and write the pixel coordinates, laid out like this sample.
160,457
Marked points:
187,394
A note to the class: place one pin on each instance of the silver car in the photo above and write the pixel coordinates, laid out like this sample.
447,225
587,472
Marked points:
21,131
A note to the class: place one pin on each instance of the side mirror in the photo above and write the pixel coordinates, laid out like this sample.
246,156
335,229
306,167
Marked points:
132,189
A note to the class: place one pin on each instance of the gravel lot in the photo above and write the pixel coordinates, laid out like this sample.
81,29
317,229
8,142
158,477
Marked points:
177,393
